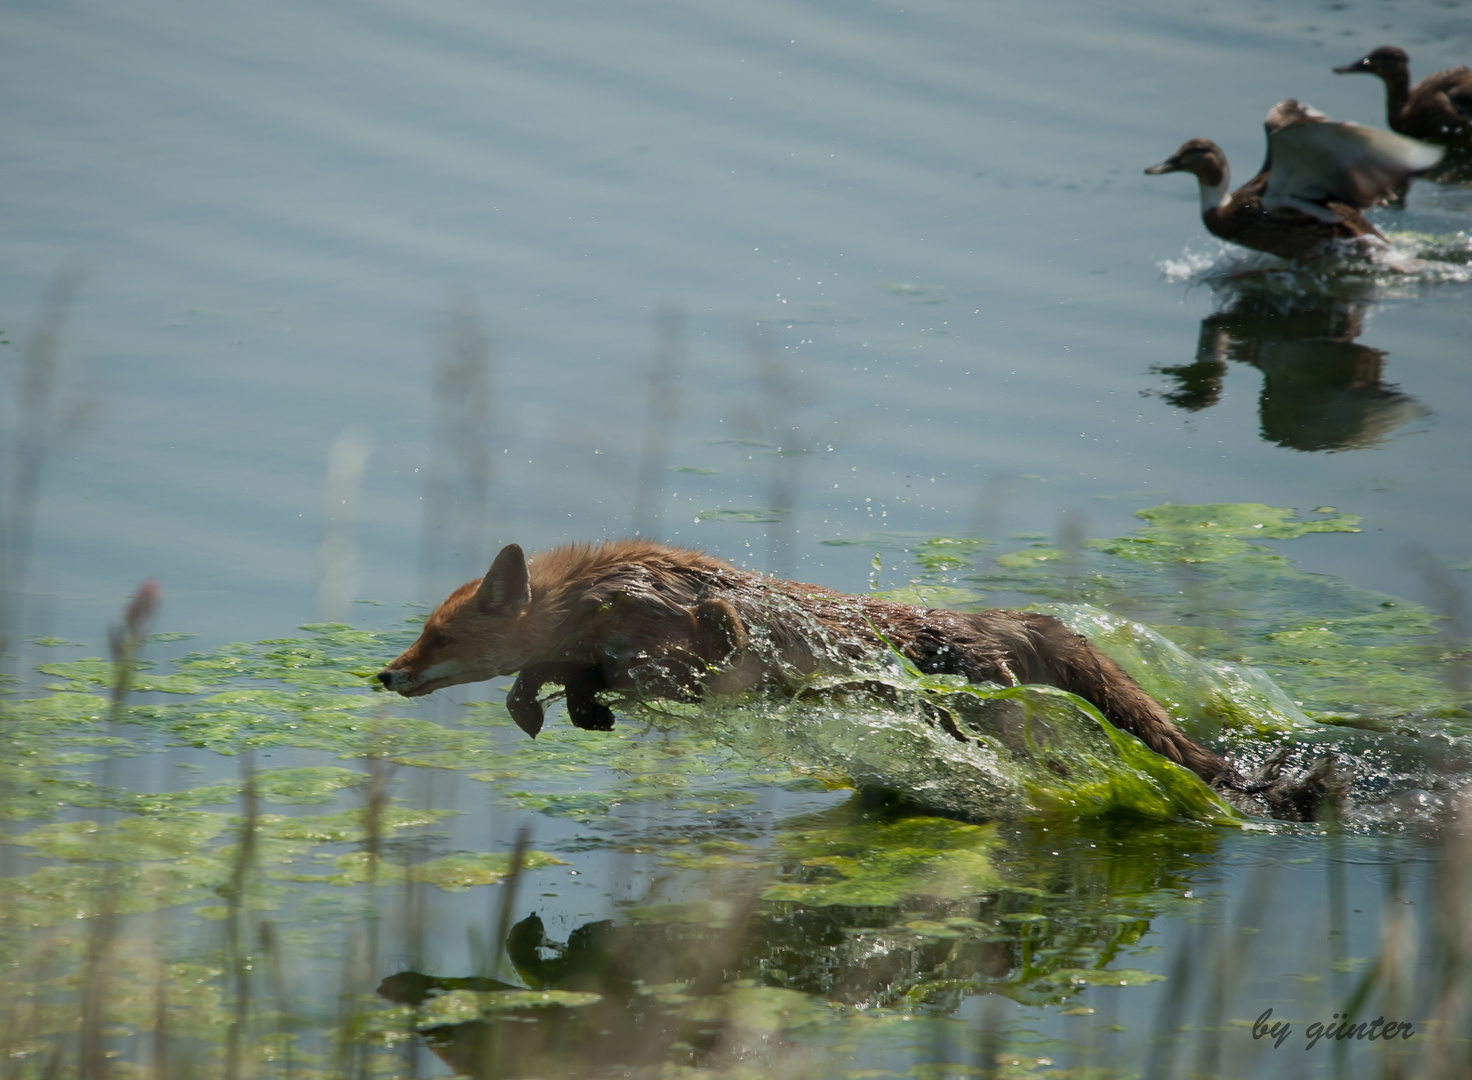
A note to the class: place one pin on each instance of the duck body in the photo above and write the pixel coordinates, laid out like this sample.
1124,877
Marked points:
1310,192
1438,109
1290,233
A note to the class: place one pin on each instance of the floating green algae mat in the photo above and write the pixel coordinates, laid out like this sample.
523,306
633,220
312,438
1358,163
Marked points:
1204,578
1201,575
853,917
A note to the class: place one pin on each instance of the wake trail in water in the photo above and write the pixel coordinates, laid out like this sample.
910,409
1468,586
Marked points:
1404,262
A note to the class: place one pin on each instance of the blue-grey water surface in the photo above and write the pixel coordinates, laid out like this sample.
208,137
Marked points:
932,216
937,211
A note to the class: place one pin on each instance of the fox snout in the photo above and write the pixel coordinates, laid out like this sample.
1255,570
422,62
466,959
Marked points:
393,679
415,674
401,680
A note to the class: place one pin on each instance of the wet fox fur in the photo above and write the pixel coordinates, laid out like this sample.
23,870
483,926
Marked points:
640,616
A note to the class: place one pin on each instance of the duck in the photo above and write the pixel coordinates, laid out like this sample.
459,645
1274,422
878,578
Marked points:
1437,110
1316,179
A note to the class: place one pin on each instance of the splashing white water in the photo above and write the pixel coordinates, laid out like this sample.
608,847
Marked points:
1397,266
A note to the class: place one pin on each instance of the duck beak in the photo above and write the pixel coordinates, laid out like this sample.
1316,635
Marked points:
1362,64
1168,165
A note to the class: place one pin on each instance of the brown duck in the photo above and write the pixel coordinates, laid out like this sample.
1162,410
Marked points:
1317,177
1437,109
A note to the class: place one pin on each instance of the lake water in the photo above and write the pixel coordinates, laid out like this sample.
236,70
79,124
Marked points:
753,278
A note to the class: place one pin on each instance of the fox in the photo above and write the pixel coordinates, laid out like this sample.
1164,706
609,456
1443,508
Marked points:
653,620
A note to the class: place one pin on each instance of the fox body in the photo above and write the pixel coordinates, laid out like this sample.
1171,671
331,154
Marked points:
639,616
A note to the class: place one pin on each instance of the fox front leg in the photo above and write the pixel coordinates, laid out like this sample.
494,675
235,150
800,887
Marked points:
522,703
583,709
582,683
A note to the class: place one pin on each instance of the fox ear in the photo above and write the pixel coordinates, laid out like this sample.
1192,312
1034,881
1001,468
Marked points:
507,586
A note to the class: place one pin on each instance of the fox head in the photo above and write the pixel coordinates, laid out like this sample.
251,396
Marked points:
479,632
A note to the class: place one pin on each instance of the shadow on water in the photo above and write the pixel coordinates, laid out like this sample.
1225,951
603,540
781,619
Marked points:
1322,389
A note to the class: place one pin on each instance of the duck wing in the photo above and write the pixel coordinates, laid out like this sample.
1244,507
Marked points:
1446,97
1322,161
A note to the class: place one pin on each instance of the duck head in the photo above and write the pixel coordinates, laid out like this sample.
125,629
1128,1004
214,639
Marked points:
1207,162
1200,156
1387,61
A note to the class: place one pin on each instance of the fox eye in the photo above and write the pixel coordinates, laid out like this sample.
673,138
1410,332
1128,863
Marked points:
440,641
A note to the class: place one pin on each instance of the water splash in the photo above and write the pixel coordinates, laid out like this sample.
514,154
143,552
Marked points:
1207,697
1397,266
883,725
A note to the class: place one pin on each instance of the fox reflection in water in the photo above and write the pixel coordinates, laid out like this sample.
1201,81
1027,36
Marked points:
679,985
1322,390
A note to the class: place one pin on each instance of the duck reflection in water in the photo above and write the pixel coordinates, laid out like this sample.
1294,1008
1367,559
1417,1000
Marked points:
1322,389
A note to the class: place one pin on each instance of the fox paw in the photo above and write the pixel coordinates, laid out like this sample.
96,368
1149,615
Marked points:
590,715
525,709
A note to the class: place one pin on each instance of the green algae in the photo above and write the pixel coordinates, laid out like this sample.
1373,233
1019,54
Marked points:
452,873
312,784
1207,697
168,836
464,870
1104,977
1214,532
929,596
688,771
935,554
1205,579
458,1006
858,863
59,710
82,675
1027,749
972,899
747,516
346,826
1032,557
766,1010
1354,653
956,908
